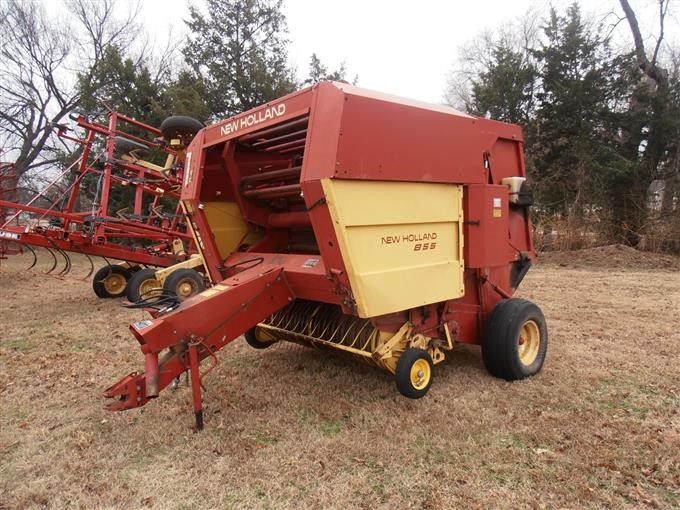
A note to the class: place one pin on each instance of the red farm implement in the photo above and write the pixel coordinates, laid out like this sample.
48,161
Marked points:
343,218
116,159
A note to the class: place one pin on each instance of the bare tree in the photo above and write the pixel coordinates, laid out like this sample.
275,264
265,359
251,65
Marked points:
477,55
648,66
657,135
41,61
659,161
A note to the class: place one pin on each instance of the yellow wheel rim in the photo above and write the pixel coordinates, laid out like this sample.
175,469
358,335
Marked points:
186,288
529,342
114,283
420,374
148,286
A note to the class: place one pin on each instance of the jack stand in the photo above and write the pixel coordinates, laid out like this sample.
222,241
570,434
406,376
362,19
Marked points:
196,385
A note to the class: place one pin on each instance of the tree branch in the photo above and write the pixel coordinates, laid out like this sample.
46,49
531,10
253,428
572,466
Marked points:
651,69
663,8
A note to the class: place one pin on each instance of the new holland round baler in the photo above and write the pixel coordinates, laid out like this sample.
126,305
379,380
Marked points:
339,217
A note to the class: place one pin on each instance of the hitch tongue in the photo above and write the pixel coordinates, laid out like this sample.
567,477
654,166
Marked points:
131,393
151,370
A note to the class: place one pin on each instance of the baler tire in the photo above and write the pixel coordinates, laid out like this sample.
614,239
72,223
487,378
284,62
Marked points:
178,280
418,360
99,281
141,279
254,342
180,126
503,337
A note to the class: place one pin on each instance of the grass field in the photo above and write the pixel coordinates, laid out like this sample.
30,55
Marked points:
599,427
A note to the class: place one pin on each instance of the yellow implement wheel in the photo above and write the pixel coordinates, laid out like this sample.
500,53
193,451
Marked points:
420,374
184,283
529,342
114,283
148,286
414,373
110,281
186,288
143,285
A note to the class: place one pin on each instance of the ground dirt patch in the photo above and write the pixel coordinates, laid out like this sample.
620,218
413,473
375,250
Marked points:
611,257
290,427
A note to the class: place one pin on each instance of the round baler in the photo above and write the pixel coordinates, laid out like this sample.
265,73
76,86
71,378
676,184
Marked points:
343,218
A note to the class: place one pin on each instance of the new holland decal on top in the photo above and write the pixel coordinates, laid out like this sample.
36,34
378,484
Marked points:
253,119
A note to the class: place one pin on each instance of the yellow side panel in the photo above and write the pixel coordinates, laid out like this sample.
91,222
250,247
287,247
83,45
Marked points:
226,224
401,242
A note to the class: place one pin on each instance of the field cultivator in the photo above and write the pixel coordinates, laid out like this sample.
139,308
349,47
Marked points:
117,159
342,218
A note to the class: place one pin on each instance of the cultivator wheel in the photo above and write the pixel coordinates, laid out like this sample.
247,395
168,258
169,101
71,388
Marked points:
127,146
184,283
110,281
180,126
516,340
142,285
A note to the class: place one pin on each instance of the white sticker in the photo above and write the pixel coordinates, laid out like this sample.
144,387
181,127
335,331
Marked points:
496,203
9,235
310,263
143,324
187,169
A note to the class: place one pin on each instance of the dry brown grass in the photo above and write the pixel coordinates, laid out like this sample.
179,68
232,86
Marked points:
292,427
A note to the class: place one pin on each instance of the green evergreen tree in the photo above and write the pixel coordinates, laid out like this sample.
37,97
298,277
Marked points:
185,96
572,113
506,89
319,72
125,87
239,51
601,125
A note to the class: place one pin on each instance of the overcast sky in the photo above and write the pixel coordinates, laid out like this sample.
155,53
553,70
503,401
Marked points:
400,47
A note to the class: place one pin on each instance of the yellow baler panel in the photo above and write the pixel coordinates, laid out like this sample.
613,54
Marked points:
227,225
401,242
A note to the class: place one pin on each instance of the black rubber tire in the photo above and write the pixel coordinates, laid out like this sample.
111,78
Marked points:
254,342
180,126
102,274
180,276
132,291
125,146
500,343
402,375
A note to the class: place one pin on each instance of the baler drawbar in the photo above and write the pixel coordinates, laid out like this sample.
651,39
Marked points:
343,218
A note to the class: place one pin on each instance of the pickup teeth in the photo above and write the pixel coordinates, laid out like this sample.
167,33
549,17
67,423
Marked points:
322,325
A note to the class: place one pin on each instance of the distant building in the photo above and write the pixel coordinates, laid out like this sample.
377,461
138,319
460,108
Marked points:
655,194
